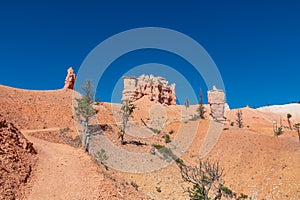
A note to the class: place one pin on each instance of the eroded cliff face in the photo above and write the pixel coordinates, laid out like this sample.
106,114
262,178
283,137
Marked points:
155,88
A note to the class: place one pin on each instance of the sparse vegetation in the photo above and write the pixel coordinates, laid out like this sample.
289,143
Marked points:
207,183
101,156
64,130
168,154
135,185
187,103
297,127
127,110
228,193
158,146
85,111
154,130
242,196
201,110
289,116
206,179
167,138
277,130
158,189
239,119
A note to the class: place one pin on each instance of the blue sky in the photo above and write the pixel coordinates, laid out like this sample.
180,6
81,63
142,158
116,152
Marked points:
255,44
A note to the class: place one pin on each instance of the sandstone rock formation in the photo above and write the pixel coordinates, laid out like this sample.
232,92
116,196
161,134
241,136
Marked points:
155,88
70,79
15,160
216,100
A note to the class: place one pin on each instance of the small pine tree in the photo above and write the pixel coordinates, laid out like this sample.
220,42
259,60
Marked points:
84,110
101,156
187,103
206,179
297,127
277,130
126,110
239,118
201,110
288,116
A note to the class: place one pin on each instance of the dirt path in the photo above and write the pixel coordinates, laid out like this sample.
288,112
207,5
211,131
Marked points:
63,172
40,130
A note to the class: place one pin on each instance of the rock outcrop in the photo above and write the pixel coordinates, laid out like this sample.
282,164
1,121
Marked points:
70,79
155,88
15,160
216,100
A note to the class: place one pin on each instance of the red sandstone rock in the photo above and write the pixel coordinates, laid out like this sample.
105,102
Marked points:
70,79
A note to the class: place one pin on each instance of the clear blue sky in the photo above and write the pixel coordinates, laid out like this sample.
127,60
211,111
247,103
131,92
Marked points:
255,44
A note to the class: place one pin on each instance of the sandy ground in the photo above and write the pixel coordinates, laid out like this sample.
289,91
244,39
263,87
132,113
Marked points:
63,173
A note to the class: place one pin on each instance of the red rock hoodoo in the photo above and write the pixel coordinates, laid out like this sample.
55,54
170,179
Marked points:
70,79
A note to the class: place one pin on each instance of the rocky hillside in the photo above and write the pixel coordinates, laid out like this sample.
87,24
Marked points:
255,161
16,160
29,109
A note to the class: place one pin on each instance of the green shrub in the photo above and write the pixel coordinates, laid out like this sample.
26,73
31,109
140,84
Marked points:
242,196
158,189
278,131
167,138
101,156
195,193
228,192
158,146
168,154
156,131
179,162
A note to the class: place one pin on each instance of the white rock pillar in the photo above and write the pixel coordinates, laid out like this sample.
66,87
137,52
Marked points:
216,100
